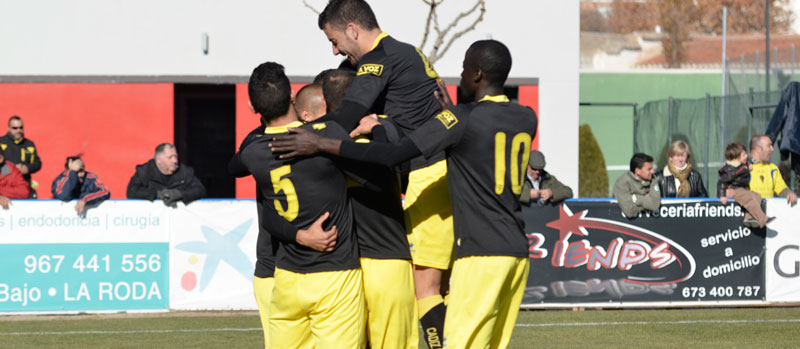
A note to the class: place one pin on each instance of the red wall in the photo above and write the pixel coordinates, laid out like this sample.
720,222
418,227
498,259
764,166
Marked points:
115,126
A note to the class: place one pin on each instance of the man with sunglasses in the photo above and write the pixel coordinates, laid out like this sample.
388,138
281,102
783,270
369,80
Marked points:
21,151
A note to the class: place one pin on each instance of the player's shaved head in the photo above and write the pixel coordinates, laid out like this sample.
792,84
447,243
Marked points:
335,85
309,104
492,58
269,91
321,76
340,12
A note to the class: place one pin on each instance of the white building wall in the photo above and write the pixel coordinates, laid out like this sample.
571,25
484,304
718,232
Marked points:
151,38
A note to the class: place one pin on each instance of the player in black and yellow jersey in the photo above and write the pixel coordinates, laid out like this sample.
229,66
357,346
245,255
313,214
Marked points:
488,144
382,243
318,298
394,78
263,277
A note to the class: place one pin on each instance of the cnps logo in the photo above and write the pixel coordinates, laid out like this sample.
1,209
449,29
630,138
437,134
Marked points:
790,256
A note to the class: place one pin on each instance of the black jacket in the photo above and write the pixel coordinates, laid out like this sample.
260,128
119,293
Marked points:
666,182
733,177
147,181
786,121
23,153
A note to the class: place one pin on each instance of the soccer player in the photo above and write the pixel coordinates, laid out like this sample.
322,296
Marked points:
317,299
309,104
394,78
264,275
488,145
382,244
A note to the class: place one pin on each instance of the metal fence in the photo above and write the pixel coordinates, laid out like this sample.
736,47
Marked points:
706,124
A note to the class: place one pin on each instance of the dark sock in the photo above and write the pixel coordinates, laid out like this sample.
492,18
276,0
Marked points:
433,326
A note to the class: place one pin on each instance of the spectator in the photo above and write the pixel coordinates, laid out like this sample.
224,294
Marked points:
734,181
786,123
162,178
540,186
634,190
679,179
12,184
309,104
76,183
21,151
765,178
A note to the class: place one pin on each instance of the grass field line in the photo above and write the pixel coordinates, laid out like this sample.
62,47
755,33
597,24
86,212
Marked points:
681,322
563,324
131,331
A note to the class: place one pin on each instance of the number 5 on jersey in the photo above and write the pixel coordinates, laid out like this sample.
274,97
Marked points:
516,162
285,185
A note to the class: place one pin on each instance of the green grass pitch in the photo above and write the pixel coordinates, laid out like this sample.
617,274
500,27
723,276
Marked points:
718,328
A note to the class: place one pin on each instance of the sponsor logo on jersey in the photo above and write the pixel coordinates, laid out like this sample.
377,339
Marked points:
318,126
447,118
374,69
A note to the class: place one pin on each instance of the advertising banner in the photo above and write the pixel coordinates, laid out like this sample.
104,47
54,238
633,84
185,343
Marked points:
213,249
783,252
116,257
687,251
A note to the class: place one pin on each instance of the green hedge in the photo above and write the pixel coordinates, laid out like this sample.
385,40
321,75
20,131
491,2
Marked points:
592,173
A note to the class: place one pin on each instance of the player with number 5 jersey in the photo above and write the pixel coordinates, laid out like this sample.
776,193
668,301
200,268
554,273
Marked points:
318,298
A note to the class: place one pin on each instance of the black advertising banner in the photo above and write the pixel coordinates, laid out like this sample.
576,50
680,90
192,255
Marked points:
687,251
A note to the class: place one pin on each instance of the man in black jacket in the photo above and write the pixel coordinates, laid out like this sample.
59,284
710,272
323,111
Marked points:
21,151
162,178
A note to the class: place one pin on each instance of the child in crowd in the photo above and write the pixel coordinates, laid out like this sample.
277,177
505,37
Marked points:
735,175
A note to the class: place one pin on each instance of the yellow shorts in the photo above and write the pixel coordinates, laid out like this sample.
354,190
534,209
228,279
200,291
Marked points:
317,310
429,217
392,320
485,294
262,289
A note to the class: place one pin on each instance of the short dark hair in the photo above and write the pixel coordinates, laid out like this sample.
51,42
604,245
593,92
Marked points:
12,118
493,59
162,147
340,12
321,76
733,150
334,87
71,158
638,160
269,90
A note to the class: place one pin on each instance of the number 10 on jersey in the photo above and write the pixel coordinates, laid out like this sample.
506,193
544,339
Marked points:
521,143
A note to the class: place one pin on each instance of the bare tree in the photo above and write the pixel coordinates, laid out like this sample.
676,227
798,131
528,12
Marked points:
442,42
306,4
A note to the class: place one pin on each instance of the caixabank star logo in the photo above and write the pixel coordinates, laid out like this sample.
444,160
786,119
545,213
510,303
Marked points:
216,248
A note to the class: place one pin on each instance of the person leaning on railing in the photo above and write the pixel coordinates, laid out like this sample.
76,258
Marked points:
634,190
678,179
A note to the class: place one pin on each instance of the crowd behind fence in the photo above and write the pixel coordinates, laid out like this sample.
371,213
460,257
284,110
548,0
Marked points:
707,124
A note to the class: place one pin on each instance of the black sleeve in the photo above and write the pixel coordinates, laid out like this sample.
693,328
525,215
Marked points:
276,225
386,154
236,168
139,189
36,161
347,115
193,189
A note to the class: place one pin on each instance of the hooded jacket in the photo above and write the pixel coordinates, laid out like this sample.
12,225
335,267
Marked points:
147,181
